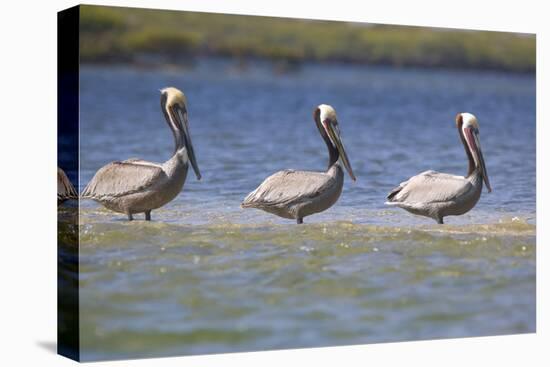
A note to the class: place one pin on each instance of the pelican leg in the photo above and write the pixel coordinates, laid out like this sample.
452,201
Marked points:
148,215
130,217
299,220
440,220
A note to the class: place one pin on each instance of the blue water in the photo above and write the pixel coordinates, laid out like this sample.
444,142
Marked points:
206,276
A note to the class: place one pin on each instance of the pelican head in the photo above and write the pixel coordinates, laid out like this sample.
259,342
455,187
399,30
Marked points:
469,130
174,106
174,96
327,123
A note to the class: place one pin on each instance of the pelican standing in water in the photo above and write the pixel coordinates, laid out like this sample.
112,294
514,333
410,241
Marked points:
65,189
437,195
137,186
296,194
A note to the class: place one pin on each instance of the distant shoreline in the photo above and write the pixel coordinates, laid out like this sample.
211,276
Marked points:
156,62
111,35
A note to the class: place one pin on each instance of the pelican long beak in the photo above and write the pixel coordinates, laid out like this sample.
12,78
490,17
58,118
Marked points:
181,118
334,134
472,137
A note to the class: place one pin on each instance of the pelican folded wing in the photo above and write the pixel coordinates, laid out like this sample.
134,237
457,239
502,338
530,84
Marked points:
124,178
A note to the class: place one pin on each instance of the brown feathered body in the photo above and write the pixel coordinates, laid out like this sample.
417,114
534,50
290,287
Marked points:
137,186
296,194
65,189
437,195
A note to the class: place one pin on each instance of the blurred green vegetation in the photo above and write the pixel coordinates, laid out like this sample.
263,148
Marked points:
110,34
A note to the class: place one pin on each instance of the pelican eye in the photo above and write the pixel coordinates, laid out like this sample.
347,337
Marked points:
336,126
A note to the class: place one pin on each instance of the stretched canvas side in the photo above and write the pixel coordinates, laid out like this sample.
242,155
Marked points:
67,162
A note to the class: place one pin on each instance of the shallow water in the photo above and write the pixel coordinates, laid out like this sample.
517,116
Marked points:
206,276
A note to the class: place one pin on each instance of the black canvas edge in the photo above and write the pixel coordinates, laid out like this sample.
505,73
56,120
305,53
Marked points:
68,325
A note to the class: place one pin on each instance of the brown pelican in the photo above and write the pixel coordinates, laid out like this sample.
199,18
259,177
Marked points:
137,186
295,194
437,195
65,189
